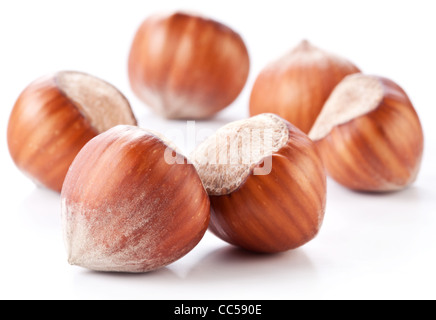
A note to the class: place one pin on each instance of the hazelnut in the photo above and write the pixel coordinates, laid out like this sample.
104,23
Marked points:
296,86
266,183
125,208
369,135
55,116
186,66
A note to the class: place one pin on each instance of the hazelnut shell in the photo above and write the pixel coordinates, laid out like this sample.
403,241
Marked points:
379,148
125,209
55,116
297,85
186,66
275,212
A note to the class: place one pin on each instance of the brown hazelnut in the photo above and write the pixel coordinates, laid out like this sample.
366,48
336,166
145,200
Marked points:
55,116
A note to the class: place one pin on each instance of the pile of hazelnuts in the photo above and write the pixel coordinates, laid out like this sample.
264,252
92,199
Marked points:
257,183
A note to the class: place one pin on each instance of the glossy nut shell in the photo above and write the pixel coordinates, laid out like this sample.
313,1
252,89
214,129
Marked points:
296,86
47,128
273,212
185,66
380,150
125,209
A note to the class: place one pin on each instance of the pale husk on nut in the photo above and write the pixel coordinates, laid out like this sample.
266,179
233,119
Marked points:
103,105
226,159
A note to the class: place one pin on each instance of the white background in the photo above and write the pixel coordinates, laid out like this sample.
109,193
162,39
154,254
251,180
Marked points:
370,247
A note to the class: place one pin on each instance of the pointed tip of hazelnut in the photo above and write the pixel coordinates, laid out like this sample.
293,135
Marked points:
305,45
306,48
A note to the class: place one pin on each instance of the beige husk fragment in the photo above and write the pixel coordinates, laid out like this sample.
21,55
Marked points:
355,96
98,101
226,159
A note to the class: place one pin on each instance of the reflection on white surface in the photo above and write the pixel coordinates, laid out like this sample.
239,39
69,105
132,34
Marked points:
223,273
